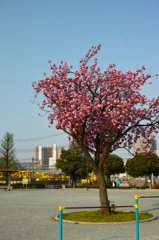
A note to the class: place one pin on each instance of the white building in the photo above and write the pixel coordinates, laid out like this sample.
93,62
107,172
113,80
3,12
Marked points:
141,145
157,152
47,156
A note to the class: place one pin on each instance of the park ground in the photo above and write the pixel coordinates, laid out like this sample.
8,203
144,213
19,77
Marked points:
26,214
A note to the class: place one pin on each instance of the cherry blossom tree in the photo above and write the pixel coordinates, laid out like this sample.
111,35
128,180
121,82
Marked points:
101,112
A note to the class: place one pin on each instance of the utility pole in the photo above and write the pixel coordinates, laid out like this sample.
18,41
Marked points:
29,174
32,167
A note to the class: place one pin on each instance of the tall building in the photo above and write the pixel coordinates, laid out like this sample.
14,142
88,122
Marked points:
47,156
157,152
141,145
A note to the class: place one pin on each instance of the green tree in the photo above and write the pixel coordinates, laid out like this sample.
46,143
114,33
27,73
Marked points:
143,164
15,164
73,163
113,165
7,153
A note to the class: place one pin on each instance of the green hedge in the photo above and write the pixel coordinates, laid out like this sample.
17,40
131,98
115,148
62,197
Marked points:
3,184
156,186
16,179
29,186
84,185
12,179
96,185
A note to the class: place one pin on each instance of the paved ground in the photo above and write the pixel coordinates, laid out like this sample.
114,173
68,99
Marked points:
25,214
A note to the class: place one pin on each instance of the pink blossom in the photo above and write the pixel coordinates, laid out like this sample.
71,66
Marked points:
69,139
108,104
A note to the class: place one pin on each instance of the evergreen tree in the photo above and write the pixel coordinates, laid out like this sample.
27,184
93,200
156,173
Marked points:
113,165
143,164
7,153
73,163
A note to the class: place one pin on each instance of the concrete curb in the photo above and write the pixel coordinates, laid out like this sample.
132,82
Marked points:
75,222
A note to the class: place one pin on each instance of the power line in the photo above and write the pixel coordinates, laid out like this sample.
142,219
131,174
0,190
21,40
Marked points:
35,139
24,150
32,150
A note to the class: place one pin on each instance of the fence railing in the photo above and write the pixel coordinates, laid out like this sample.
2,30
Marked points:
136,206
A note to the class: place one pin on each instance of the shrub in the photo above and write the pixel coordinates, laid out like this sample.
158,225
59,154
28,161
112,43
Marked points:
84,185
108,183
36,185
3,184
30,185
16,178
3,178
96,185
156,186
17,185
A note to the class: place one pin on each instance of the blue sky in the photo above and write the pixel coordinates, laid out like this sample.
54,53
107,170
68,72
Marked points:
35,31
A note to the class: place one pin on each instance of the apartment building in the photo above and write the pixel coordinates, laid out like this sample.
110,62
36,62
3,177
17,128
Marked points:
47,156
141,145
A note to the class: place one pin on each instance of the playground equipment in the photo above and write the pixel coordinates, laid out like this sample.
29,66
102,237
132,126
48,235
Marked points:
91,178
136,206
1,175
43,176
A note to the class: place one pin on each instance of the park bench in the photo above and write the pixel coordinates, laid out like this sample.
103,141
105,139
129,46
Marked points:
50,186
5,187
140,185
53,186
124,185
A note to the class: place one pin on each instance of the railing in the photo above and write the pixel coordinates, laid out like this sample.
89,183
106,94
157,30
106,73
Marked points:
136,206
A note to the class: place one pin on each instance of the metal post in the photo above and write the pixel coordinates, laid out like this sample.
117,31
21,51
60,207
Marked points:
137,216
152,180
9,181
32,167
93,177
29,175
60,222
69,181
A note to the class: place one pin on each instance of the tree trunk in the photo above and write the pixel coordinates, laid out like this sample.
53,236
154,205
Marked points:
74,184
6,178
103,192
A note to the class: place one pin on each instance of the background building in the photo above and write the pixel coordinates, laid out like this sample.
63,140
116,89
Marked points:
46,156
141,145
157,152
